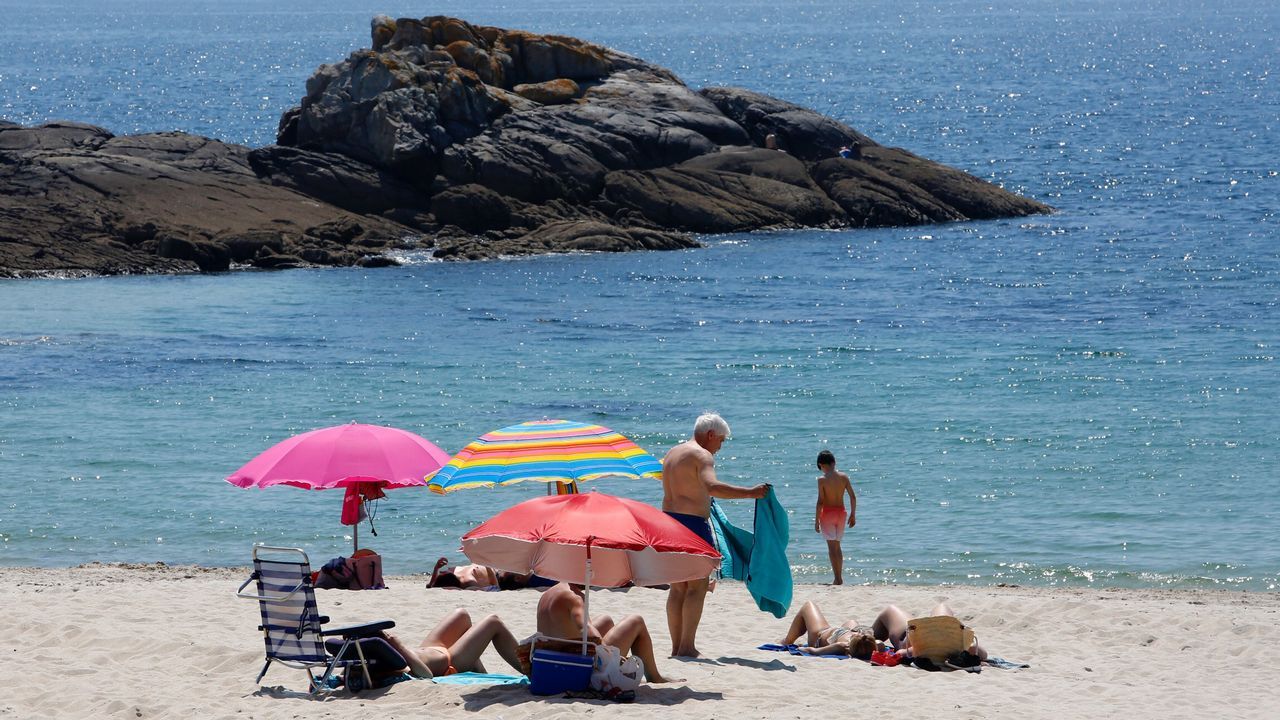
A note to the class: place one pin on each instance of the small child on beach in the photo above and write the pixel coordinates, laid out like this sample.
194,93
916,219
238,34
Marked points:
829,517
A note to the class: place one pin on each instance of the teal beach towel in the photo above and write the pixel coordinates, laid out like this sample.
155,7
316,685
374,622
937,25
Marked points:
760,558
474,678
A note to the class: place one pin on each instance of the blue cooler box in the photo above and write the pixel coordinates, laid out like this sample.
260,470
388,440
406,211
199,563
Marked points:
552,672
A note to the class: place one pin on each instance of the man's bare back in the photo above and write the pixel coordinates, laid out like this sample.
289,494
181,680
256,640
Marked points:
560,614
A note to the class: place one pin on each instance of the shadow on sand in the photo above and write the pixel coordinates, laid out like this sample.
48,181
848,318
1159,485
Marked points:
511,696
774,664
339,695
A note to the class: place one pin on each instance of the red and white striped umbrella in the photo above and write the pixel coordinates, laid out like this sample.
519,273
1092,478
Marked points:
627,542
591,539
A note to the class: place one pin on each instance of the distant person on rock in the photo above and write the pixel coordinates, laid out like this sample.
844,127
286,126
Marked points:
771,142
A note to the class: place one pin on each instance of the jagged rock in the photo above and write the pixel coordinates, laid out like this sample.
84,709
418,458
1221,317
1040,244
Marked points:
473,208
966,196
411,217
563,236
498,142
636,143
342,231
587,236
758,162
713,201
74,198
335,179
51,137
277,262
208,256
799,131
890,187
551,92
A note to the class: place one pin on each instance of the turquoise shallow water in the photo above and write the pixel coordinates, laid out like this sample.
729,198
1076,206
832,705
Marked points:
1084,398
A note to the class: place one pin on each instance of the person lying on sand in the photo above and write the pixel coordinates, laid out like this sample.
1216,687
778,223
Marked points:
463,577
479,577
466,577
560,615
454,646
893,625
823,638
887,633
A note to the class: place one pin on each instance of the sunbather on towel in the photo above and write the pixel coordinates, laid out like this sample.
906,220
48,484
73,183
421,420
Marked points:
467,577
455,645
892,624
561,615
856,640
479,577
823,638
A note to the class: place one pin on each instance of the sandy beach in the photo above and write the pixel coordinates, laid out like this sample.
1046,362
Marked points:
156,641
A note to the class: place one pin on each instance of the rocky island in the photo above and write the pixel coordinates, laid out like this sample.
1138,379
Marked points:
469,142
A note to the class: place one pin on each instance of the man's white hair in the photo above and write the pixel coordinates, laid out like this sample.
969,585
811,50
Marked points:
710,422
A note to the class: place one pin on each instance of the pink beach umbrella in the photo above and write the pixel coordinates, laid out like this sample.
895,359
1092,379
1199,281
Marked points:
363,459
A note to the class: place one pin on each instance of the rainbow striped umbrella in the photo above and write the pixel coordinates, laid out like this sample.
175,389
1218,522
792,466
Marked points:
559,451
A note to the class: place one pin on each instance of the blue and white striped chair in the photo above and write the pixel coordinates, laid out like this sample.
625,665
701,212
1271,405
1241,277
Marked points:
291,625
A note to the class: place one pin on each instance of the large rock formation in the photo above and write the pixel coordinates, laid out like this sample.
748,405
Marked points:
470,141
75,199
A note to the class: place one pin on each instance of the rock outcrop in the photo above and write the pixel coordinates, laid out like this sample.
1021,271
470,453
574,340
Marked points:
76,199
469,142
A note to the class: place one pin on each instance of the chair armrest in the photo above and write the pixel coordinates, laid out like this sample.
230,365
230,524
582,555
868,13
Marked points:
366,630
266,598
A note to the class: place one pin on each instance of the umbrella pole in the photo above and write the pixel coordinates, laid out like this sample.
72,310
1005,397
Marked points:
586,598
355,538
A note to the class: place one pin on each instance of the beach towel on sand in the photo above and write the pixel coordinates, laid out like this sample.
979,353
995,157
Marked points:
758,558
795,650
989,662
474,678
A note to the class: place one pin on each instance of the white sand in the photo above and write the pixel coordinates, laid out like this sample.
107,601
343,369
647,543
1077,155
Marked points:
159,642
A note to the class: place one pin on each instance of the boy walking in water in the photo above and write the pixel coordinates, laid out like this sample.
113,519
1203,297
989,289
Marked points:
829,518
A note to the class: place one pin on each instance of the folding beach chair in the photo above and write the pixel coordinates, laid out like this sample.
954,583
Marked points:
291,625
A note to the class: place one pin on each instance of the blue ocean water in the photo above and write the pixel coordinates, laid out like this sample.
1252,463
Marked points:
1087,398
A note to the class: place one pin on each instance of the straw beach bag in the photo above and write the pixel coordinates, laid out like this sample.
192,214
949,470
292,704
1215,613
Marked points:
938,637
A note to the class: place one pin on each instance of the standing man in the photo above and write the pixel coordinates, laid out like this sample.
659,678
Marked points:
688,484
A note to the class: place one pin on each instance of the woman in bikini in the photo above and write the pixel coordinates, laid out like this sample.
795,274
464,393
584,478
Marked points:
849,638
455,645
467,577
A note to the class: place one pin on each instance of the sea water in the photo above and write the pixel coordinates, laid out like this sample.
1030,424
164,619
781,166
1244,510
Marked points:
1082,399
